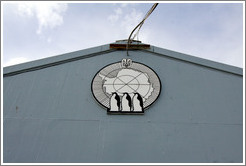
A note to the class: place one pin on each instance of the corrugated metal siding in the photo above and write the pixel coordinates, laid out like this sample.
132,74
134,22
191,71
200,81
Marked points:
50,115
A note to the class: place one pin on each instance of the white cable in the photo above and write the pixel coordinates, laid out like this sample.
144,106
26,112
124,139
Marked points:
140,25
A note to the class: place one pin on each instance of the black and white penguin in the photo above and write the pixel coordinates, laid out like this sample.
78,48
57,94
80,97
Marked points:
114,102
137,102
126,102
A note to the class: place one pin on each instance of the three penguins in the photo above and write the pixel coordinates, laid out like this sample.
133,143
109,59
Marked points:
126,104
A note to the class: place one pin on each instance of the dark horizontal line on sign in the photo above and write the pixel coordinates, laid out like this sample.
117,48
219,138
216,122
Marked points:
130,46
126,84
124,113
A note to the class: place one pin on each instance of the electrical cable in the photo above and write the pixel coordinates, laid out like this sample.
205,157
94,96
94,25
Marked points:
145,17
139,26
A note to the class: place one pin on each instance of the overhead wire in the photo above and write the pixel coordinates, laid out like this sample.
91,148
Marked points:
139,26
145,17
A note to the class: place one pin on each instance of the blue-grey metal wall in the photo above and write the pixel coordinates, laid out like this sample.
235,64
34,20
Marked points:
50,115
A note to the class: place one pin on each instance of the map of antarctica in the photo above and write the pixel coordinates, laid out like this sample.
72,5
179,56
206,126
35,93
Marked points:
130,81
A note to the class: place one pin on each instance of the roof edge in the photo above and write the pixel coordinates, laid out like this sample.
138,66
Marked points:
55,60
196,60
94,51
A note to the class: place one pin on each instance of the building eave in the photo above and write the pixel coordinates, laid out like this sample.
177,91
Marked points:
55,60
95,51
195,60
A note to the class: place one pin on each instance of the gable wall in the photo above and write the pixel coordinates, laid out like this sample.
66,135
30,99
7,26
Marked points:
50,115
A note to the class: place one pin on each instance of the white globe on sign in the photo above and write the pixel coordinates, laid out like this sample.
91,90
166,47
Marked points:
128,81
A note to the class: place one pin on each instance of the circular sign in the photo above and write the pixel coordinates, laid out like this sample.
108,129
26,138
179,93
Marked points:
133,86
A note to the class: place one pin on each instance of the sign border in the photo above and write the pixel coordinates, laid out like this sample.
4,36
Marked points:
125,113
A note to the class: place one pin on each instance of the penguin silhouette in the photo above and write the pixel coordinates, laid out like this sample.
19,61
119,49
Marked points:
114,102
126,102
137,101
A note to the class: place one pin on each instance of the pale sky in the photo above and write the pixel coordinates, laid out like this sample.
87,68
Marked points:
36,30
